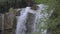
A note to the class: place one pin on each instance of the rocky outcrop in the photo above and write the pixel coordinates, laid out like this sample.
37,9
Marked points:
8,22
0,21
30,23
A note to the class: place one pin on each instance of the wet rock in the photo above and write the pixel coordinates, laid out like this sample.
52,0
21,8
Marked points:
30,22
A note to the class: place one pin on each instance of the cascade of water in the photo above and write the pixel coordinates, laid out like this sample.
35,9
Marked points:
40,13
21,28
41,17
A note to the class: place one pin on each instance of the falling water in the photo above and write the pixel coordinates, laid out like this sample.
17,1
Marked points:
40,13
21,22
41,16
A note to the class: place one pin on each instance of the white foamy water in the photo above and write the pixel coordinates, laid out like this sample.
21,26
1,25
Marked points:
41,17
40,13
21,28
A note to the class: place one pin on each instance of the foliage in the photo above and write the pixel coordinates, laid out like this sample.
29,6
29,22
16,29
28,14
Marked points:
51,3
54,21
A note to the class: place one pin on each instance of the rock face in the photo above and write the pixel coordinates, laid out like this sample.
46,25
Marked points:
8,22
0,21
30,23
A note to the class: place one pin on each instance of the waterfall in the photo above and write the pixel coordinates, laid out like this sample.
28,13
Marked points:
20,29
26,21
41,16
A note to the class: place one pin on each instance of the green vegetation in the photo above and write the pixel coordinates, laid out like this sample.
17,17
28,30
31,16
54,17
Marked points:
54,21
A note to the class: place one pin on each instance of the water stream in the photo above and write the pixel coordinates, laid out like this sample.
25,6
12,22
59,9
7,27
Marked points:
29,19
